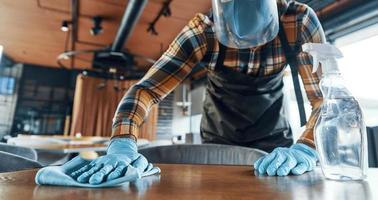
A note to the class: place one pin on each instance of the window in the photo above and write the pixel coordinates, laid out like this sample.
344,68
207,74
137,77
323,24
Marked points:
359,67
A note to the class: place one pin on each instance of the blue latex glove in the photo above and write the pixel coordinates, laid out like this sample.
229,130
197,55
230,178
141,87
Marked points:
121,153
59,175
297,159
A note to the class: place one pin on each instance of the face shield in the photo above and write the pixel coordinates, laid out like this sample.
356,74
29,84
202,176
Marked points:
245,24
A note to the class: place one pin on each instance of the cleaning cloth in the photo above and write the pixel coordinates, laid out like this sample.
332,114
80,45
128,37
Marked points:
59,175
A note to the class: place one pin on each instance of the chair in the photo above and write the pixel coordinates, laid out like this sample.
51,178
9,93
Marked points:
11,162
202,154
20,151
45,158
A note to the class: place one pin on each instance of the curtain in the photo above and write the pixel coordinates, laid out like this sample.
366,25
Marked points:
95,103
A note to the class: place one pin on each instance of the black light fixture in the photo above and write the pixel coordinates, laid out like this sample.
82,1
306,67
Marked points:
164,11
96,29
65,26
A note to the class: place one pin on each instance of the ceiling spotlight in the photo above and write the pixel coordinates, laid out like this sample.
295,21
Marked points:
64,26
96,29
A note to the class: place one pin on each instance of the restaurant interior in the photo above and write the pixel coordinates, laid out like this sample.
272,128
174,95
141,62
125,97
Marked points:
66,65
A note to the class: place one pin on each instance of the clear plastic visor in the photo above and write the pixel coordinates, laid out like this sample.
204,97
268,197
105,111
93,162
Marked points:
245,23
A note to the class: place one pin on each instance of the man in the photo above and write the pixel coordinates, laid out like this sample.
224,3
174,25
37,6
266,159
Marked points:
245,45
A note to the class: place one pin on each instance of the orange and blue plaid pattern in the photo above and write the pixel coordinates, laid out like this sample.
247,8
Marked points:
197,43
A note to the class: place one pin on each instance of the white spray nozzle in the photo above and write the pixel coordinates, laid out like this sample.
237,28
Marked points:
321,53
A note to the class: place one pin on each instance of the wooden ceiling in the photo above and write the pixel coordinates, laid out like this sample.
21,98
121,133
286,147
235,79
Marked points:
30,29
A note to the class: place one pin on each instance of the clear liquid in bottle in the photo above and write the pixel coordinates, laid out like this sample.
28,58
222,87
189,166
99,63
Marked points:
340,136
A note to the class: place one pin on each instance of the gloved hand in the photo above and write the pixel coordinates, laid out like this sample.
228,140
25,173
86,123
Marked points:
121,153
297,159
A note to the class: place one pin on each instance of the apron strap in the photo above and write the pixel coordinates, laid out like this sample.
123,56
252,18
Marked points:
263,60
221,56
292,60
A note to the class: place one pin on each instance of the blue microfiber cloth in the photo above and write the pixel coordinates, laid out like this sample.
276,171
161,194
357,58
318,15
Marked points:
59,175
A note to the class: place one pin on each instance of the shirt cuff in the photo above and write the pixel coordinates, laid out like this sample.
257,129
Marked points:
125,129
307,138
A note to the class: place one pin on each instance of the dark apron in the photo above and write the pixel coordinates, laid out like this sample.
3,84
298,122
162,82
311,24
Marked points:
244,110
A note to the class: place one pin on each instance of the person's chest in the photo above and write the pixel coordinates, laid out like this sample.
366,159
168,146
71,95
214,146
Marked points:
267,59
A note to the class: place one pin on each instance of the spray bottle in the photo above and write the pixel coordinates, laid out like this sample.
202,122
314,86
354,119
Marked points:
340,132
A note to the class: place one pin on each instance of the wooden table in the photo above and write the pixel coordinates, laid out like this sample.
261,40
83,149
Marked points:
199,182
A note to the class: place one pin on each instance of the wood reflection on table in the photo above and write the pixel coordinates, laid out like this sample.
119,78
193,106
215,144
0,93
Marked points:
199,182
71,148
61,144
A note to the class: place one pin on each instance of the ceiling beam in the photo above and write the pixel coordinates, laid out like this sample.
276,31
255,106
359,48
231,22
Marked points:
352,20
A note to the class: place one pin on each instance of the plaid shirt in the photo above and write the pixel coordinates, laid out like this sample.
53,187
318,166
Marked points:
197,43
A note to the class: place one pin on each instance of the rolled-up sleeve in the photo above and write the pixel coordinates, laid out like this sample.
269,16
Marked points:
187,50
311,31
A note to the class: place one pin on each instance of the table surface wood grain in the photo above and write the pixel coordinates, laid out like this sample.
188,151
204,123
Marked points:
199,182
